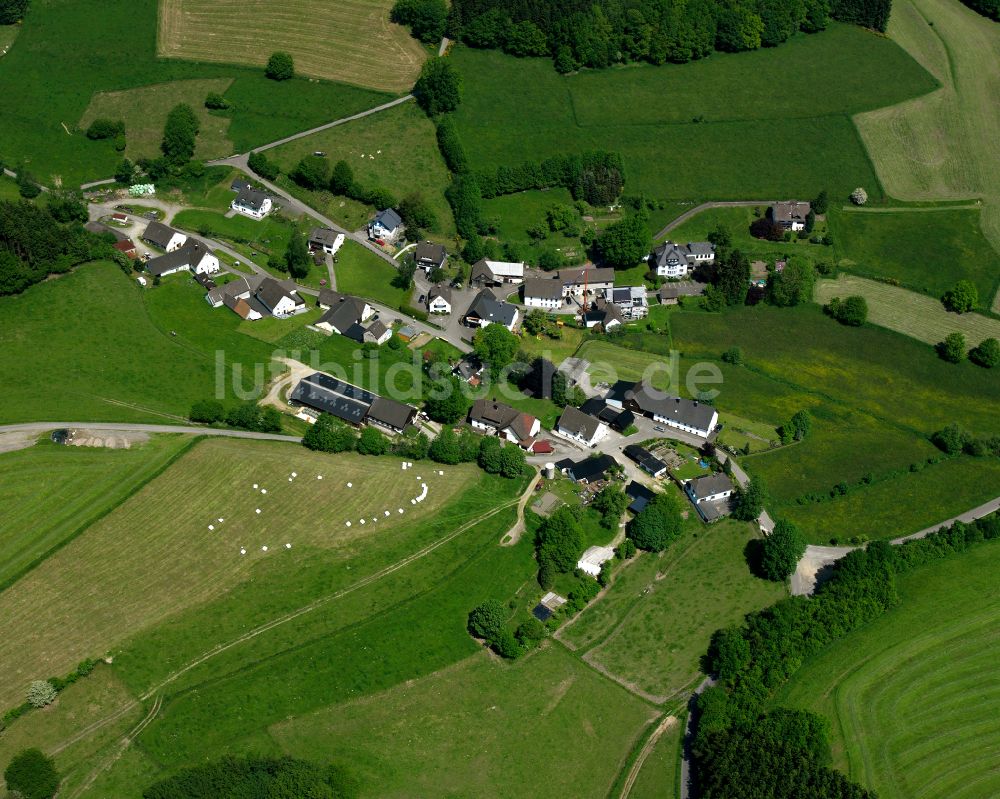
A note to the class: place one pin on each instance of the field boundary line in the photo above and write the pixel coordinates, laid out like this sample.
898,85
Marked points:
97,516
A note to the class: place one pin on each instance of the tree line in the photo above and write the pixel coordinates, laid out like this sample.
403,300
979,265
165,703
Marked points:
585,33
36,242
743,748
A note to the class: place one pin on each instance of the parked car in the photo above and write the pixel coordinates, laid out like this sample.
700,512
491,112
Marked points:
659,429
422,298
319,153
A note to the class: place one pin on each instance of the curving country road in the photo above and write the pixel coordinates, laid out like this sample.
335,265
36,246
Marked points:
705,207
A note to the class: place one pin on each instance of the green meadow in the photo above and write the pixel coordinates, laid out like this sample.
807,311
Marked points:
917,677
67,52
716,128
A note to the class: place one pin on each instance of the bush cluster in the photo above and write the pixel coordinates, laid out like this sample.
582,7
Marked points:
245,416
32,775
596,177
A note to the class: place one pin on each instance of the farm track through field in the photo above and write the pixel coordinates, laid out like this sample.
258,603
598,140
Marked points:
270,625
633,774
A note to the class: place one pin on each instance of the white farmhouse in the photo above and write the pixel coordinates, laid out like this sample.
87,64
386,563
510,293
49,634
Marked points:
577,426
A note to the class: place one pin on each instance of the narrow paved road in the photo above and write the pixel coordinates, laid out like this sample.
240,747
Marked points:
817,557
42,427
662,234
327,126
708,682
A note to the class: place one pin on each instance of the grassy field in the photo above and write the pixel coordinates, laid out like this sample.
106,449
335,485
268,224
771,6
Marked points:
737,432
8,33
907,312
105,366
269,236
361,272
516,213
82,483
650,630
144,111
96,46
667,154
352,42
923,249
900,505
165,561
477,729
920,675
394,149
660,774
939,146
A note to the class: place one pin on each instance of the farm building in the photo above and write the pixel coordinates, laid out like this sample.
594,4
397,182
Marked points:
540,292
321,393
280,297
603,314
595,281
670,293
163,236
690,416
577,426
126,246
592,560
616,418
647,461
589,470
639,496
495,273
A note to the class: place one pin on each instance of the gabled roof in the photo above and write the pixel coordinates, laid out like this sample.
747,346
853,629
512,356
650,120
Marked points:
709,485
238,184
187,255
249,197
590,275
388,218
671,291
488,308
496,270
640,496
323,235
591,469
124,245
684,411
271,292
444,292
790,211
502,417
646,459
376,329
159,234
396,415
577,423
543,288
330,395
344,311
433,253
603,313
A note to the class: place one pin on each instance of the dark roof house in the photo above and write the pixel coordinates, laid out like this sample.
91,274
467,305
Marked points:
646,459
430,255
329,395
487,309
590,470
159,235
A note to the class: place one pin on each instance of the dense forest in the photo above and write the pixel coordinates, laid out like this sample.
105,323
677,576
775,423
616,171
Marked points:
589,33
37,242
988,8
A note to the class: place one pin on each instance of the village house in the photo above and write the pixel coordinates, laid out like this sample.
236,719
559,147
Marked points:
602,313
790,214
639,495
487,309
542,293
691,416
590,470
344,314
498,419
387,226
670,293
577,426
672,260
322,239
597,282
631,301
711,495
439,300
429,256
496,273
163,236
193,256
618,419
280,297
251,202
238,296
469,369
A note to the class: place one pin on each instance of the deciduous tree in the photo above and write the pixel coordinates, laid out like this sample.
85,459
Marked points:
781,551
439,88
280,66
